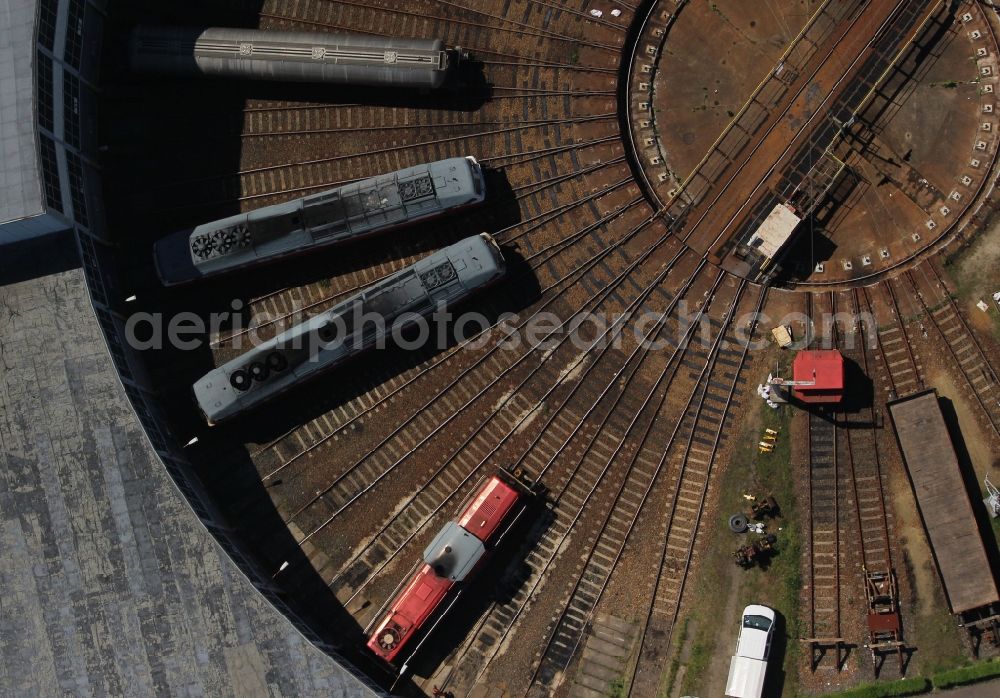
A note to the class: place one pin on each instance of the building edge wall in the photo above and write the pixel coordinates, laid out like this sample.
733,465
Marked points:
97,257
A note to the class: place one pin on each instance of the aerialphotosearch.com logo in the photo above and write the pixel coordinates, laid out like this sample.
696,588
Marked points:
358,329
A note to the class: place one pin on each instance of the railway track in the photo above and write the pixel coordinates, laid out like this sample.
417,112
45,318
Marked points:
454,28
767,96
825,492
825,486
613,532
930,316
899,360
964,348
967,214
809,133
696,441
598,463
539,366
864,457
705,396
377,540
422,371
270,314
281,180
850,524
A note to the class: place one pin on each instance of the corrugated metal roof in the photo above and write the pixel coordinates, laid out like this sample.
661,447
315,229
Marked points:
825,365
20,176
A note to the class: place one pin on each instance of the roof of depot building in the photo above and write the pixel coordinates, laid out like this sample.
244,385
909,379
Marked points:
20,182
111,584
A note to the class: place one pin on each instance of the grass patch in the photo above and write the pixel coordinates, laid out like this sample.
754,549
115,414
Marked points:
918,685
904,687
973,275
697,664
935,635
968,674
616,689
719,583
675,663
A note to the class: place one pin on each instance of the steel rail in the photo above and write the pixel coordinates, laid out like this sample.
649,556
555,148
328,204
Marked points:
390,149
877,461
524,29
819,113
426,485
728,314
576,236
830,491
641,350
451,20
897,313
671,368
991,420
634,305
543,184
651,608
982,193
588,265
753,96
894,381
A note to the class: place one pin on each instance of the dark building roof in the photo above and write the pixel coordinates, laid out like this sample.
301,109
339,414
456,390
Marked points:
20,179
111,585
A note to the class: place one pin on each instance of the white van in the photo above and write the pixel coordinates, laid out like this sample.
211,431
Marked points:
749,665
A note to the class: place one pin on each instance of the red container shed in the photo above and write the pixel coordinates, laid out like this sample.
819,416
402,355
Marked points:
819,376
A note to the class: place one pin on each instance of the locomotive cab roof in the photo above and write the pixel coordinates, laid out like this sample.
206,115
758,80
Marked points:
454,552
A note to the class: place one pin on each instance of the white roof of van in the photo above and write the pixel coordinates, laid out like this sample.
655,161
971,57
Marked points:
753,642
746,677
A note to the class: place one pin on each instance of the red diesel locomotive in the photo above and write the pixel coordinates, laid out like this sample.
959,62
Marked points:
451,558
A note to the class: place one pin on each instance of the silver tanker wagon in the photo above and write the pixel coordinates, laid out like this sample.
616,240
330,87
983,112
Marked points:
287,56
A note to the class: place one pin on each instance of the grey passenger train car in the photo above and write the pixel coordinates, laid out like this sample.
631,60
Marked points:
353,211
332,337
344,59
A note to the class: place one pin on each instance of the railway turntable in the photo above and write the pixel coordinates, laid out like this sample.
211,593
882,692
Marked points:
814,172
947,515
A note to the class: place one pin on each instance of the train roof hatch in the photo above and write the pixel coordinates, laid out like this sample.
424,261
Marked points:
454,552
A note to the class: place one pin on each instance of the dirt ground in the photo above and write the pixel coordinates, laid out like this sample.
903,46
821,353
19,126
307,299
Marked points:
984,460
715,55
976,276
